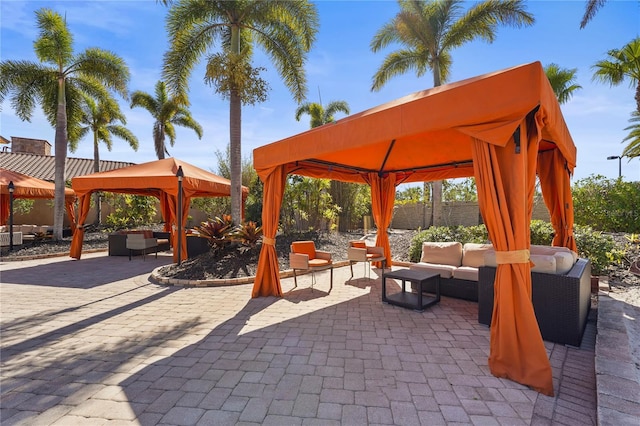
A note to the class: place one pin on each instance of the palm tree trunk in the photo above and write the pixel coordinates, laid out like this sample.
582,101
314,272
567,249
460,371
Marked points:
235,140
436,189
235,156
60,157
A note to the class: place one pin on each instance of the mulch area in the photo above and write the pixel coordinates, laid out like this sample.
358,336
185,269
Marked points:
235,262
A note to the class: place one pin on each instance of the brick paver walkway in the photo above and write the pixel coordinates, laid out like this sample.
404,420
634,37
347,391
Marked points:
94,342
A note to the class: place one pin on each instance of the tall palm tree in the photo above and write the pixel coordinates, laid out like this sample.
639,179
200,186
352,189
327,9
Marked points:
168,113
342,193
101,119
57,84
563,81
633,148
590,10
429,30
285,30
620,65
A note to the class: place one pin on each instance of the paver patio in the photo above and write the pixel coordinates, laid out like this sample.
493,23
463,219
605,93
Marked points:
95,342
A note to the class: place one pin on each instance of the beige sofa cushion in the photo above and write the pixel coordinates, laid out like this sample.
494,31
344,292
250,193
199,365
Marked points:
443,253
543,263
473,254
564,262
445,271
469,273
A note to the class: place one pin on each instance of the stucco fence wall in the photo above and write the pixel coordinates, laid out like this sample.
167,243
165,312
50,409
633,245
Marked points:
465,213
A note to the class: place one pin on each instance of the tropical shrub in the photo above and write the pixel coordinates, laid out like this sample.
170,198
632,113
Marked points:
609,205
130,211
599,248
248,234
217,231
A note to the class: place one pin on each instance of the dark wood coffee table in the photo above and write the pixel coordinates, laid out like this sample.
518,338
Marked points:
407,299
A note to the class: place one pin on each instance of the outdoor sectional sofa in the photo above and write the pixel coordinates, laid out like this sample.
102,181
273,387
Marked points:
561,301
118,242
561,284
457,266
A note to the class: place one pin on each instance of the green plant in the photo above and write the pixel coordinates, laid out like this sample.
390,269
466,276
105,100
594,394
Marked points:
609,205
217,231
248,234
599,248
130,211
541,233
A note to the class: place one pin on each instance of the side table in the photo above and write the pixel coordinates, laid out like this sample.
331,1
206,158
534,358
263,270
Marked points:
416,301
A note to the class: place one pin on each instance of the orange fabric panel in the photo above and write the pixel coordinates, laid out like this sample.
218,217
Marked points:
555,182
304,247
504,180
84,204
267,281
441,121
383,194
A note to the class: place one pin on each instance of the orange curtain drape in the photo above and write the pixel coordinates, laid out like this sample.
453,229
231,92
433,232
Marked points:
168,203
555,182
84,204
504,179
267,281
69,206
4,209
383,195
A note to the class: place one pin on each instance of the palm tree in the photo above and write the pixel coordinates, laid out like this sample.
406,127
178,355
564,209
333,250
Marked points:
342,193
284,29
429,30
633,148
57,83
562,81
321,115
621,64
590,11
168,113
102,118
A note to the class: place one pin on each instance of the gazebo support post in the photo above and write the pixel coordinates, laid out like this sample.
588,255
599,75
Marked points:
11,188
180,175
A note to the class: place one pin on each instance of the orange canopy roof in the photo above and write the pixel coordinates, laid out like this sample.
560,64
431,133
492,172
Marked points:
154,178
426,135
28,187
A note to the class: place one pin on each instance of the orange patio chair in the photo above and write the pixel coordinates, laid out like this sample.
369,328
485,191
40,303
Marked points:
305,257
359,251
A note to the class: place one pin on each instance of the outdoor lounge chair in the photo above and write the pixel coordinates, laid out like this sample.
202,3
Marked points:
358,251
139,242
305,257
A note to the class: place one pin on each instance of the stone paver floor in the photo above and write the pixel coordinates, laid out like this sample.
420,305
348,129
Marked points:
95,342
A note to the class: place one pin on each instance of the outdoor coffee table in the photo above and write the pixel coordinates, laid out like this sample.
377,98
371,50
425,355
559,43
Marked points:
407,299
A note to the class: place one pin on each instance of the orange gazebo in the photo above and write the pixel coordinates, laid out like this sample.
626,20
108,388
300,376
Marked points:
155,178
503,128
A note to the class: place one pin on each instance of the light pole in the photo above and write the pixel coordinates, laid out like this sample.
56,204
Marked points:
619,158
11,188
180,175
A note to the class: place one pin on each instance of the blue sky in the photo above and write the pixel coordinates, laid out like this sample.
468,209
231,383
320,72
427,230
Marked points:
340,67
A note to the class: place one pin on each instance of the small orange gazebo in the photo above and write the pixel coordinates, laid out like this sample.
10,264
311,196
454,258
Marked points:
30,188
155,178
503,128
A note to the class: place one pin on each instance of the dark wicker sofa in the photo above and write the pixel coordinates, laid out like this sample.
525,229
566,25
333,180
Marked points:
118,244
561,302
